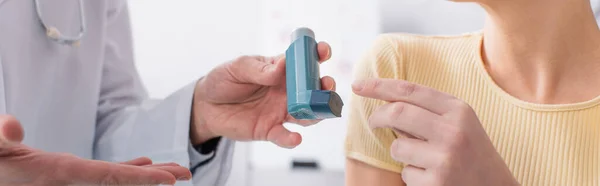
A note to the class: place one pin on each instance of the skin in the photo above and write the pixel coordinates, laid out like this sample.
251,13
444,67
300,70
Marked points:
448,135
22,165
359,173
244,99
546,56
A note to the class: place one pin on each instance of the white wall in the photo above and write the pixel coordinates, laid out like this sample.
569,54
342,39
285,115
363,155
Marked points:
430,16
437,16
178,41
349,26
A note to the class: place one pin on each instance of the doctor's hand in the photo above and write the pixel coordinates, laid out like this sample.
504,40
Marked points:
21,165
245,99
445,143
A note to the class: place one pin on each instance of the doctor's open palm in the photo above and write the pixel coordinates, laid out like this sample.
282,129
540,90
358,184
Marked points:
22,165
246,100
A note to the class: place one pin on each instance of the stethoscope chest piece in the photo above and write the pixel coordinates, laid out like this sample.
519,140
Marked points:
55,35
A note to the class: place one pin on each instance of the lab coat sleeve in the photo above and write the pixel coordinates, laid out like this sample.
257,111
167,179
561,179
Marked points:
129,125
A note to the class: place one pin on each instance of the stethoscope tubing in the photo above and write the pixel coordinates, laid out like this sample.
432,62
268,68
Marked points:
53,32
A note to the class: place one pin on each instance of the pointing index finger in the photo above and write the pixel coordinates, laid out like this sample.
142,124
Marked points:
394,90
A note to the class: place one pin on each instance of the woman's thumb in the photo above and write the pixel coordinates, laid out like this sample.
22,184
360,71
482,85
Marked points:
10,130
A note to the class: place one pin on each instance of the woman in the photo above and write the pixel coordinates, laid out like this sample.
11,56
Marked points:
515,104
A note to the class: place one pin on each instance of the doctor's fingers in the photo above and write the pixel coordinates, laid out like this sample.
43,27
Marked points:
323,49
327,83
147,162
267,71
80,171
139,161
256,70
11,131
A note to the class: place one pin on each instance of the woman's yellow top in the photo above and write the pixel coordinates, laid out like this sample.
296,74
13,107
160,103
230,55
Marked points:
543,145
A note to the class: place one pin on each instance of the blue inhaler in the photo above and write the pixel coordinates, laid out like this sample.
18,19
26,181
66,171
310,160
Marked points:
305,99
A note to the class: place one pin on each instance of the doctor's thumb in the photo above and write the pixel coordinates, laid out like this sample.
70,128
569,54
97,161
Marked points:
282,137
11,130
258,70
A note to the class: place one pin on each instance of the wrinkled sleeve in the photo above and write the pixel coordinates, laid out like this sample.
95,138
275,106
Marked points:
129,125
372,147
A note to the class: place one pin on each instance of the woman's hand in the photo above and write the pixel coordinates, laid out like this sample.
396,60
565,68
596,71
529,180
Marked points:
446,144
22,165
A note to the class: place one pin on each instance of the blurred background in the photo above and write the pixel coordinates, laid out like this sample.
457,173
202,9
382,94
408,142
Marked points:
178,41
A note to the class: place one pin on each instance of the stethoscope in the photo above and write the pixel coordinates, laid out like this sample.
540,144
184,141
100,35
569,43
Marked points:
54,34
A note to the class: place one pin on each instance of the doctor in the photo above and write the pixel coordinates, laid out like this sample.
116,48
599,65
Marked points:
69,93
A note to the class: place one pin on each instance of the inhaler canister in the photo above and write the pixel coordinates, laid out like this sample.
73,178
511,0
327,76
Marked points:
305,99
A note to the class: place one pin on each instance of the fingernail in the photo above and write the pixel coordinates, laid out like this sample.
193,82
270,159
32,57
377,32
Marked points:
5,142
395,146
185,178
332,87
358,85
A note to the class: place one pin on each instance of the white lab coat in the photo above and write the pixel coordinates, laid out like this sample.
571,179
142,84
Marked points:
89,100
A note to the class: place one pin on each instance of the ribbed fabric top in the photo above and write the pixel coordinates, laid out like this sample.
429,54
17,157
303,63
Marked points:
543,145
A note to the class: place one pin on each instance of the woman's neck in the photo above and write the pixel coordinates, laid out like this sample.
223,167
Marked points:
539,50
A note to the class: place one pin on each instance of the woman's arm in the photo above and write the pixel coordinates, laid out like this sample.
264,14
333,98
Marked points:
369,162
362,174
